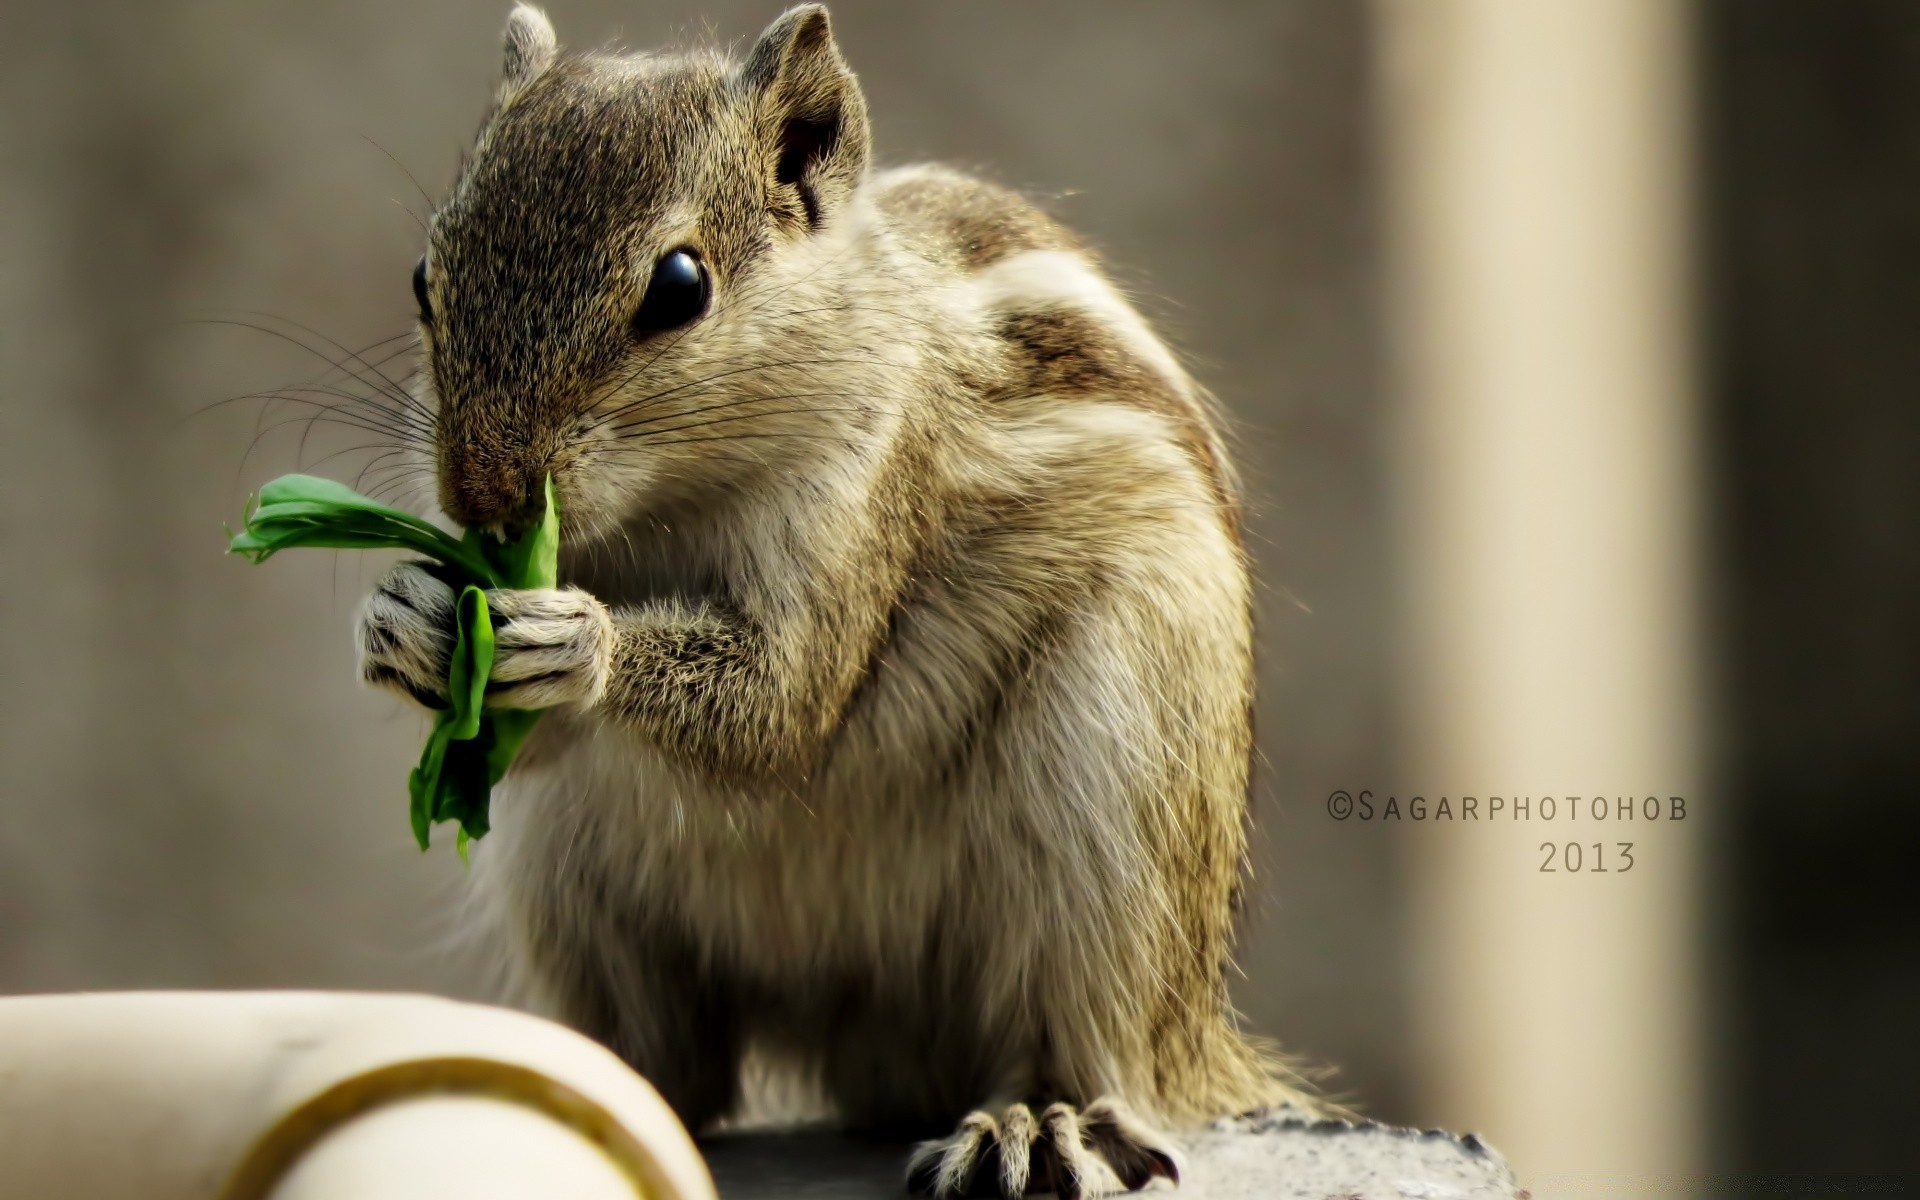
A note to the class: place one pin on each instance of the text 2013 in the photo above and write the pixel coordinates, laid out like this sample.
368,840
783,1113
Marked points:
1586,858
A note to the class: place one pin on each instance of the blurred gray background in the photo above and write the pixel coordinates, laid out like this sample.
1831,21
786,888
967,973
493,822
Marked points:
194,793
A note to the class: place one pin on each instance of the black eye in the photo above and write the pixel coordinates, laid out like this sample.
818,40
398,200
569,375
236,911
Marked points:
420,291
676,294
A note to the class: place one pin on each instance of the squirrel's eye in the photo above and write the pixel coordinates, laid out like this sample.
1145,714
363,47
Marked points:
420,291
676,294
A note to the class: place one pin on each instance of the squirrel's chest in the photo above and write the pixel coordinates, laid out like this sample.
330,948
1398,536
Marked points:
772,885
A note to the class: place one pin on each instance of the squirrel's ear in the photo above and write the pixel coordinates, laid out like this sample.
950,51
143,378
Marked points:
530,49
812,115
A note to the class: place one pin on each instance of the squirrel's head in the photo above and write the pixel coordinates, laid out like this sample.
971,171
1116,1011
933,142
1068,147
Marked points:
622,289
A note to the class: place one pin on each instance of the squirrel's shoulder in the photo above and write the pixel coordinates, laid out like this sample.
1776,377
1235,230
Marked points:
966,221
1065,332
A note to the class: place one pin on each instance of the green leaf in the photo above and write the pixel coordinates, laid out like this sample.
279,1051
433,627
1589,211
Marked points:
472,662
423,783
533,561
303,510
510,728
469,749
319,490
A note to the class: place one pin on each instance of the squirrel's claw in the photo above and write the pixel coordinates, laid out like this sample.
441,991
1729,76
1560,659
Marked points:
1072,1153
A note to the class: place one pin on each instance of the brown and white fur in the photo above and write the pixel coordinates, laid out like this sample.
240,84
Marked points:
902,678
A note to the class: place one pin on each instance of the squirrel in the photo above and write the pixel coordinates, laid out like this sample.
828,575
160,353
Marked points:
902,667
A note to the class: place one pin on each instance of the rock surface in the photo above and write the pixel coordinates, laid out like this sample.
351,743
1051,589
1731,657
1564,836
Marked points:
1262,1158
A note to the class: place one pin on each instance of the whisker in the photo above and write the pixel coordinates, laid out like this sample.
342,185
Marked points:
784,364
404,171
731,437
338,414
321,380
385,385
648,436
629,428
325,459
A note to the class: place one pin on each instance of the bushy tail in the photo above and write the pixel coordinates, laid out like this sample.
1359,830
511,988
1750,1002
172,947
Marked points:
1227,1072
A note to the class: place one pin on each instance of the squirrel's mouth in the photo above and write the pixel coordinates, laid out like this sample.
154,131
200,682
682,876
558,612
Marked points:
502,489
588,509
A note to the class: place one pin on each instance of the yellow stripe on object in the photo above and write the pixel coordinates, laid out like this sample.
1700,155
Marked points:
275,1151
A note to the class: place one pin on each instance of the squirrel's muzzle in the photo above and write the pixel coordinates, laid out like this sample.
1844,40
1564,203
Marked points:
485,487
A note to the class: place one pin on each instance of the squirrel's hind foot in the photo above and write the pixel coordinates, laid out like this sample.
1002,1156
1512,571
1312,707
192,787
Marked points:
1073,1153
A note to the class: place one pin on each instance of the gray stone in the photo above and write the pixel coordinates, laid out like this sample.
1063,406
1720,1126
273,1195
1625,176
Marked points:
1264,1158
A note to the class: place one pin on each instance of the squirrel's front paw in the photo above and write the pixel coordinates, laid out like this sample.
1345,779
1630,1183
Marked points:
550,646
406,635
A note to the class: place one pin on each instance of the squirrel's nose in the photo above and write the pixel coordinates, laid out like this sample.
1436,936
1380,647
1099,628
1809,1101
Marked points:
483,490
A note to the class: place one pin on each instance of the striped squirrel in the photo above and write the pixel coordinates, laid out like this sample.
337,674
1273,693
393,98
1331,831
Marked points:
902,672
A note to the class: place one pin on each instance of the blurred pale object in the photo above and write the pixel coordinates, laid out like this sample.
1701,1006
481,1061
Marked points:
453,1146
1537,173
305,1096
